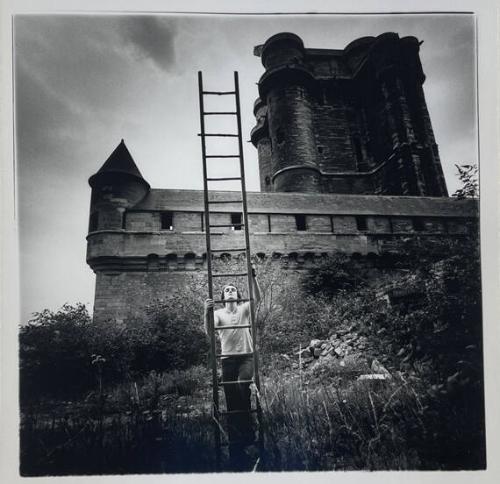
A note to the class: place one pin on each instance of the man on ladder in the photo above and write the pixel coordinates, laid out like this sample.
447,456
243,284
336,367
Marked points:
237,369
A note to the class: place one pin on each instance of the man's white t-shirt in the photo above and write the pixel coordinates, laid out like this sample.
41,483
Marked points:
234,340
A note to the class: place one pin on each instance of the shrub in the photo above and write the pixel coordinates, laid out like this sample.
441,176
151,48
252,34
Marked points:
54,353
335,273
57,348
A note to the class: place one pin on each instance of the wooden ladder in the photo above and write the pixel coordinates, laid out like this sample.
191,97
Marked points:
215,359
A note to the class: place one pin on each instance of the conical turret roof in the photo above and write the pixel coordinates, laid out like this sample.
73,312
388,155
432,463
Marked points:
120,161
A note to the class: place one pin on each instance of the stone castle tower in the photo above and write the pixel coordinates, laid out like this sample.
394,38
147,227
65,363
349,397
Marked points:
348,163
345,121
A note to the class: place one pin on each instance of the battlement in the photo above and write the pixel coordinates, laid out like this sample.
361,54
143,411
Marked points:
170,223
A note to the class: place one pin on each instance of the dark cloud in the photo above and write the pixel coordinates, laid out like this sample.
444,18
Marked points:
150,37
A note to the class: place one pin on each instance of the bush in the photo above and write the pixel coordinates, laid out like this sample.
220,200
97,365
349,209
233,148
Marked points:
64,354
334,274
54,353
170,336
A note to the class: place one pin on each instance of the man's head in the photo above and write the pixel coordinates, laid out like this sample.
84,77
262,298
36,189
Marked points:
230,292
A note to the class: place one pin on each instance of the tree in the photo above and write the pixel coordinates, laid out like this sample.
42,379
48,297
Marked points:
468,176
54,353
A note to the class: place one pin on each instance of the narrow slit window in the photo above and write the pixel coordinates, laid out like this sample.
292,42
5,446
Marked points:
357,150
300,222
280,135
361,224
167,221
236,221
94,221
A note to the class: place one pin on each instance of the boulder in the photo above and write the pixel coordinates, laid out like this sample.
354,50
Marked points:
374,376
304,353
377,368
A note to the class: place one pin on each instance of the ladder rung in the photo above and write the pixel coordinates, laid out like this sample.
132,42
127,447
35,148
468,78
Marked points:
227,274
222,156
232,412
221,113
240,299
233,326
222,355
225,201
228,250
227,225
219,93
235,382
227,178
231,135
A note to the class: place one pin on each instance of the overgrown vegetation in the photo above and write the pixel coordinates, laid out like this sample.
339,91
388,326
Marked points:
144,404
469,178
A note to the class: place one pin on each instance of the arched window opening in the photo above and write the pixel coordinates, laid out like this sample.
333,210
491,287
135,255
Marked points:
225,257
153,264
171,261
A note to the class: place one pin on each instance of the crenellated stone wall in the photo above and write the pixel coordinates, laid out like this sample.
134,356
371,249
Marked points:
141,262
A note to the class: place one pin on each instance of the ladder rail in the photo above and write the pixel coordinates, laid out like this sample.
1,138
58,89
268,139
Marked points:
211,322
249,265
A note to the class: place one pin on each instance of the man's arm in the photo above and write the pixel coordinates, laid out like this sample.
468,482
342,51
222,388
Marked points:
208,306
256,287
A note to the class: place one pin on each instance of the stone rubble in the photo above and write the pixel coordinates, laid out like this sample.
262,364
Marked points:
347,351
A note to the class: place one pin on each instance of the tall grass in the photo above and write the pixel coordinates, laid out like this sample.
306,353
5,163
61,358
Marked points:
360,425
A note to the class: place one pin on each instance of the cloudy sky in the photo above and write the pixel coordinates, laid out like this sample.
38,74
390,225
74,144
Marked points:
84,82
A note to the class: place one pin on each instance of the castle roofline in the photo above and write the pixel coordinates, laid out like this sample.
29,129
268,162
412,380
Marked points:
313,203
119,162
360,44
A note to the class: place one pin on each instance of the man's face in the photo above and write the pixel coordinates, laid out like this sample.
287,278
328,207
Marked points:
230,292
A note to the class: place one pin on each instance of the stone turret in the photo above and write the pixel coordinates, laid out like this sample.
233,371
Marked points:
284,90
117,186
351,121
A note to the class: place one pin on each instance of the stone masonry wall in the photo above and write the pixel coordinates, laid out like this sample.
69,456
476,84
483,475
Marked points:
124,295
332,133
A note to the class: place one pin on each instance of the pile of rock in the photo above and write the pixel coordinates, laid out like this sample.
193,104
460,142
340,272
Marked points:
345,348
340,344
